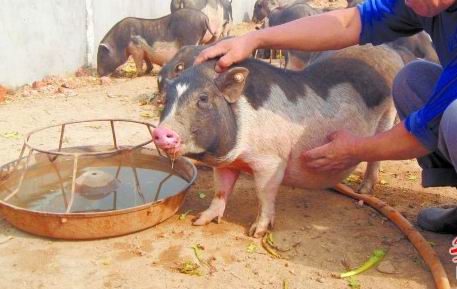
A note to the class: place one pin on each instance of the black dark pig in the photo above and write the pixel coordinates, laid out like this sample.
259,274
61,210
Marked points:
184,27
219,13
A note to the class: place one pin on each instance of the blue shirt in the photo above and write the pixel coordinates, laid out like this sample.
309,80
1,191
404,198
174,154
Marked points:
387,20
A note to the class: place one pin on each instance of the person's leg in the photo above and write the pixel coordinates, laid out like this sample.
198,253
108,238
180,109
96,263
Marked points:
412,87
436,219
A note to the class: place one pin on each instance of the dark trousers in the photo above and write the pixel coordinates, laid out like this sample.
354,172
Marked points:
411,89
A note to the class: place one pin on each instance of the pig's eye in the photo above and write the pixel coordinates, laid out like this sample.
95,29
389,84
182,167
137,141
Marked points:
203,101
179,68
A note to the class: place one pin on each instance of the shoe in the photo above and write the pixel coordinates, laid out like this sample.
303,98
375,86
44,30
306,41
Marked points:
438,220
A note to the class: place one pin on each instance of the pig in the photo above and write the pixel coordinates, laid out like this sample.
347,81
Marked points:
263,8
259,119
219,13
416,46
141,52
181,61
184,27
295,59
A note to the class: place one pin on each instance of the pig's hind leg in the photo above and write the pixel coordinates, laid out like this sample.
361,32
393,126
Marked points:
149,66
224,181
268,177
371,173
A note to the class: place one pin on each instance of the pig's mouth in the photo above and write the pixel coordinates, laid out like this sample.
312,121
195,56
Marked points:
172,153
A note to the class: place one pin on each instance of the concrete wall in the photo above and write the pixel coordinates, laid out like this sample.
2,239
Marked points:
39,38
47,37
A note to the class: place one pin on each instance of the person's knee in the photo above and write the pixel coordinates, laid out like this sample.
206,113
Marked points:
414,84
406,78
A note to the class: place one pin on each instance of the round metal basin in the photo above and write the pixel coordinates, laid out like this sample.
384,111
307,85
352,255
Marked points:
84,193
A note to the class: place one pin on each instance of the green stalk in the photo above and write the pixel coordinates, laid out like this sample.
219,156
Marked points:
374,259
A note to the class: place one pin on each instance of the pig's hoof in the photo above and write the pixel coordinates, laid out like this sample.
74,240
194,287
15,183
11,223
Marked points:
260,228
206,218
366,187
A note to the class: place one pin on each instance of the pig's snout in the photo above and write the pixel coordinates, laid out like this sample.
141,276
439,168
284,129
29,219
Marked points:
166,138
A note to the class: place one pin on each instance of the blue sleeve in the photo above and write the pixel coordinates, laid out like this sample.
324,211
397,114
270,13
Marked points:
420,122
386,20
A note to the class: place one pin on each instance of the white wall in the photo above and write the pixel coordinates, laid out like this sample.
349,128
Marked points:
46,37
40,37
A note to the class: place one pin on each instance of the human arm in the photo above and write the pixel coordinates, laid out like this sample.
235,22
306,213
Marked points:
416,136
346,150
332,30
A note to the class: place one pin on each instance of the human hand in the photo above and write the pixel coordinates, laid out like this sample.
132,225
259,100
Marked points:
232,50
338,154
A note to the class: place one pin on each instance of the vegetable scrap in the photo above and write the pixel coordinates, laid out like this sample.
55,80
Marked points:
412,178
269,246
374,259
252,248
129,70
201,195
10,135
352,179
354,283
183,216
147,114
190,268
198,252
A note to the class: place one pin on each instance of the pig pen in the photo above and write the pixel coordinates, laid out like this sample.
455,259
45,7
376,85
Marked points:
323,230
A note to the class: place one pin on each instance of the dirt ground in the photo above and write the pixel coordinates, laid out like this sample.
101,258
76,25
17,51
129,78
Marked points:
322,229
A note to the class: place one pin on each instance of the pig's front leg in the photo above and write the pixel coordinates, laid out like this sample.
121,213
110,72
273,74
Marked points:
224,181
268,177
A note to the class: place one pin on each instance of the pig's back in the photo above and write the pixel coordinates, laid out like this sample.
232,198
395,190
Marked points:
357,82
348,89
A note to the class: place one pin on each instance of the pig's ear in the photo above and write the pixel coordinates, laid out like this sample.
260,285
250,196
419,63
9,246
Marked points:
104,47
231,83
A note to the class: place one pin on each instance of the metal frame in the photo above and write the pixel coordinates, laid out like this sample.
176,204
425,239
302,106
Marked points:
54,154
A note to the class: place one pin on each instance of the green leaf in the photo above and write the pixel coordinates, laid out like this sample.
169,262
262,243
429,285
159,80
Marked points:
198,252
190,268
10,135
183,216
412,178
352,179
252,248
354,283
374,259
147,114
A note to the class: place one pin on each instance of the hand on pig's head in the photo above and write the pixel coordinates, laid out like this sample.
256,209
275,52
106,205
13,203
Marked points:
198,116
